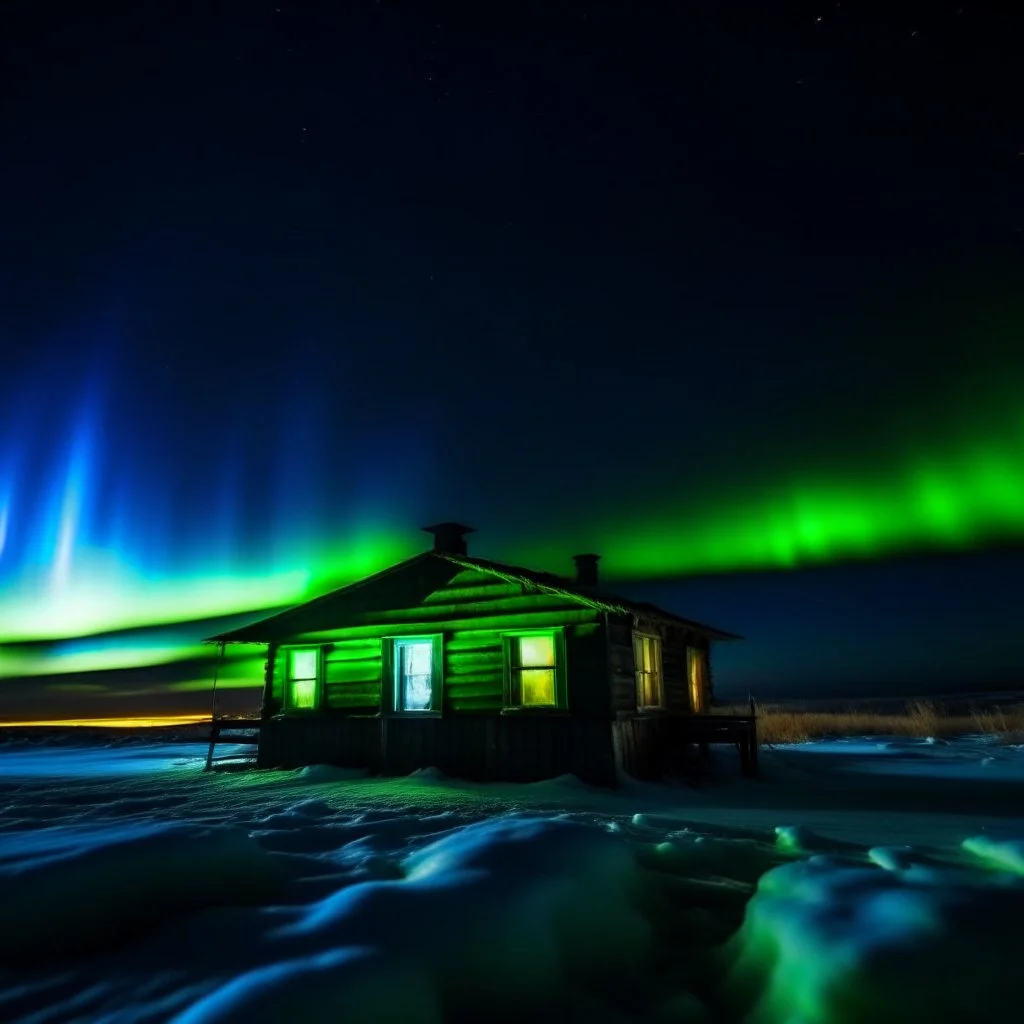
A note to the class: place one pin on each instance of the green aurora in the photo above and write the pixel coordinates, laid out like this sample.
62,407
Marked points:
955,499
961,497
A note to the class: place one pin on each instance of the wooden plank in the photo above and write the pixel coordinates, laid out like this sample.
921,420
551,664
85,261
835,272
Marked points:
526,620
476,703
353,672
513,604
354,689
471,640
470,594
468,662
360,649
481,682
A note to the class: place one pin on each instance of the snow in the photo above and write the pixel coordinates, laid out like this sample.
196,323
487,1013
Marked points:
858,880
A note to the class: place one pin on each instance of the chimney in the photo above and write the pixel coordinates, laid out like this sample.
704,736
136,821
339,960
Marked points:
586,569
449,538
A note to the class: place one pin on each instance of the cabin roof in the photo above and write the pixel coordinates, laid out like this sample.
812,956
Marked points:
315,614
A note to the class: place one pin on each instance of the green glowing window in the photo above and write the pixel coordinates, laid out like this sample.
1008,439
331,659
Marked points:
650,687
534,670
416,669
301,683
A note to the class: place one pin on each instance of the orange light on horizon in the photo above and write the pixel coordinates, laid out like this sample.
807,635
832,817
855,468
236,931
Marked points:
150,722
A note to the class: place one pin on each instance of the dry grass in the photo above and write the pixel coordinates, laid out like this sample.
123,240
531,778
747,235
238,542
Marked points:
779,724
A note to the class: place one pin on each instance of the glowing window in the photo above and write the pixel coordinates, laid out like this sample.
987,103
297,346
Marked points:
533,670
650,690
301,683
414,675
697,674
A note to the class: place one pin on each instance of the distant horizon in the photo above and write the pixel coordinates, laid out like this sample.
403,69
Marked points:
809,700
919,625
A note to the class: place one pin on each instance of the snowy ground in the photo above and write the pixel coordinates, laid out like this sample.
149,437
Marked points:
857,881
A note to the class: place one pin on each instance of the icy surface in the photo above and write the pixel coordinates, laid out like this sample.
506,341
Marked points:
869,880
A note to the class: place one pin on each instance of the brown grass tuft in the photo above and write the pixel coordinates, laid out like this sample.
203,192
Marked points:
780,724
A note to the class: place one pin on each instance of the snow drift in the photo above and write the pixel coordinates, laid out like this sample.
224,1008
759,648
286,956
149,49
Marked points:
155,895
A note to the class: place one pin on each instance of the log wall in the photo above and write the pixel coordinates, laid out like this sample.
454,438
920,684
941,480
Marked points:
675,639
471,611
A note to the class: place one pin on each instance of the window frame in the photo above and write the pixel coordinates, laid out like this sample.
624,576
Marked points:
389,688
318,680
557,633
638,635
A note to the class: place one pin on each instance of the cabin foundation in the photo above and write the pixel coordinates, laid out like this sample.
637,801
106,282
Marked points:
479,748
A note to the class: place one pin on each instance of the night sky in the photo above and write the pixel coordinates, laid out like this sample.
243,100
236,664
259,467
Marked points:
728,293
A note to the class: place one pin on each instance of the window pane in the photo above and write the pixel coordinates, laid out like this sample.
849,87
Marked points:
303,693
538,686
416,693
415,676
646,690
303,665
645,653
537,651
417,658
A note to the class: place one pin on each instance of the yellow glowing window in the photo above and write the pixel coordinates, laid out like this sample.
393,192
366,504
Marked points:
650,690
533,670
697,673
301,684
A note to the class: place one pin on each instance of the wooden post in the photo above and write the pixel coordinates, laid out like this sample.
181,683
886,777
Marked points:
214,734
382,746
216,673
266,698
214,728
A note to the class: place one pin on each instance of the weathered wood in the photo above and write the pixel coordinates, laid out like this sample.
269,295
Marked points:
487,658
353,671
521,748
648,748
220,726
512,621
355,650
478,682
468,640
491,702
472,593
267,699
512,604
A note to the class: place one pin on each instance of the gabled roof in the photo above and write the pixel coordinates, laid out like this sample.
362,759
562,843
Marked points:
593,597
423,574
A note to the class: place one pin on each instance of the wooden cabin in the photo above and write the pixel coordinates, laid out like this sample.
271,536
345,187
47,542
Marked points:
485,671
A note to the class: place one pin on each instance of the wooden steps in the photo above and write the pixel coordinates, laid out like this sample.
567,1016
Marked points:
739,731
238,732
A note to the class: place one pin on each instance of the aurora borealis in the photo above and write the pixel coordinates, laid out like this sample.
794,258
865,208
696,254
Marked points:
582,287
73,608
72,576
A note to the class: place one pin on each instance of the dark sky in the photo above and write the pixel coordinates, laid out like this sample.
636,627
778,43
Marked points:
273,272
